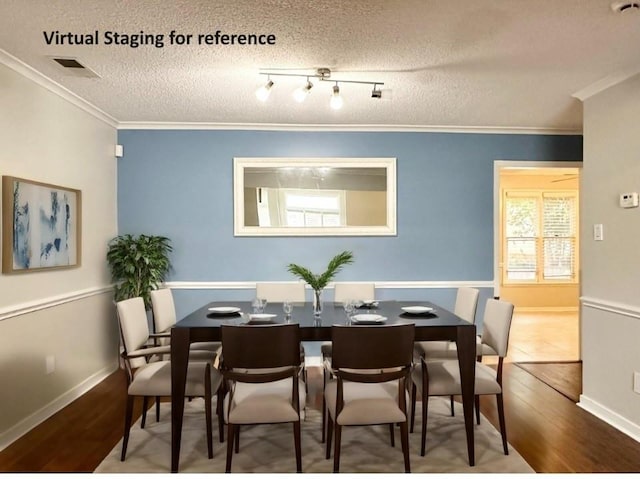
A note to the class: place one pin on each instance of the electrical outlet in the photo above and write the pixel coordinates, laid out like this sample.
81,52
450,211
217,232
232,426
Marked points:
50,364
636,382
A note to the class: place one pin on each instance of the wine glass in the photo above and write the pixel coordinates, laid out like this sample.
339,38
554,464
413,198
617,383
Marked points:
348,306
258,305
287,307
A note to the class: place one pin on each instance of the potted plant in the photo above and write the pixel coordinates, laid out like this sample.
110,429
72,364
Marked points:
138,265
319,281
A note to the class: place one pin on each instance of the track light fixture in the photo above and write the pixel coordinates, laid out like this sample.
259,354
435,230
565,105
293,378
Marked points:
322,74
301,93
336,100
264,91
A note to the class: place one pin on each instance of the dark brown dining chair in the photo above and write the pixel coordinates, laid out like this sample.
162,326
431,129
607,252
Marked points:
261,368
150,377
441,377
371,365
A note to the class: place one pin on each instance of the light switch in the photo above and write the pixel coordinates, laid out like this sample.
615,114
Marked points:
598,232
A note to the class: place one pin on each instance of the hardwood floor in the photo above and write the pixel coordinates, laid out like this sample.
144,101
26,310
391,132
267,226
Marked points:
546,428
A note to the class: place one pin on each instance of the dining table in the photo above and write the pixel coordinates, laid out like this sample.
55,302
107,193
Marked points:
432,323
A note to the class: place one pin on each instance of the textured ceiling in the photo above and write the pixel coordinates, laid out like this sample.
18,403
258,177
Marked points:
458,63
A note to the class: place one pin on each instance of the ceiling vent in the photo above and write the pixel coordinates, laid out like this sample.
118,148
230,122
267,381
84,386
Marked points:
73,67
625,6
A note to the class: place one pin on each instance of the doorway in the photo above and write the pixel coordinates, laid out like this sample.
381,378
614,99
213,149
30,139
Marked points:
536,254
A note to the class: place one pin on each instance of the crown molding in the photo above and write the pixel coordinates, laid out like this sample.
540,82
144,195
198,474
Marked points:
159,125
34,75
605,83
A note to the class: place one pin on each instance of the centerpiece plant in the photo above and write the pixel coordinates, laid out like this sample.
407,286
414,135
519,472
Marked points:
319,281
139,264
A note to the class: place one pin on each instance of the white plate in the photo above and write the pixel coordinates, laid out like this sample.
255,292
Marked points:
261,316
224,310
368,318
417,309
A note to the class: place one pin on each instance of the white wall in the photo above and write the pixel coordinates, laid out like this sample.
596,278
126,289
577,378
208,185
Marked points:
611,268
67,314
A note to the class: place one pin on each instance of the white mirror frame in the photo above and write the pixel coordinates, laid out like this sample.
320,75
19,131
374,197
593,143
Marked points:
239,165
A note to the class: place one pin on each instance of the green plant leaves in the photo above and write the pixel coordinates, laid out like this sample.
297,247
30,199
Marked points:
318,282
138,265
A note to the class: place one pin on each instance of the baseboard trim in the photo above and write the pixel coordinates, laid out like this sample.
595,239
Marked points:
378,284
32,306
610,417
28,423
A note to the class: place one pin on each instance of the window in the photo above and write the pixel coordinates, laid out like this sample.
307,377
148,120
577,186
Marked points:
540,236
306,208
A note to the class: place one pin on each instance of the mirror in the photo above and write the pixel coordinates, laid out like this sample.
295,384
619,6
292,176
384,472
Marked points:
314,196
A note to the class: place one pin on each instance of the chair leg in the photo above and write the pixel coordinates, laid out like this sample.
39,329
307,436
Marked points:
404,438
208,418
477,406
230,441
296,440
157,408
453,411
423,438
145,406
329,435
127,425
324,404
237,438
503,426
392,436
336,449
413,405
220,413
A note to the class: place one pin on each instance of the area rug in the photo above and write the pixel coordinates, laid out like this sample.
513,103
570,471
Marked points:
563,376
269,448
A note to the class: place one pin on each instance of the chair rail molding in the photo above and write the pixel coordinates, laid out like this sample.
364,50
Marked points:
624,309
378,284
51,301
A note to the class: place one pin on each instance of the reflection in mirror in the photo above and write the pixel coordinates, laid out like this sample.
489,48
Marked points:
310,196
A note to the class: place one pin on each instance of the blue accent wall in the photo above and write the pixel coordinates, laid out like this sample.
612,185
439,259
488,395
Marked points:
179,183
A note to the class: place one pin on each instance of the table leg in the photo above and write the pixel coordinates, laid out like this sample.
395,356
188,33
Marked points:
179,362
466,344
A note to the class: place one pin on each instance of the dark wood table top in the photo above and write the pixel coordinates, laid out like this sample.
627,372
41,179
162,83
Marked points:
441,324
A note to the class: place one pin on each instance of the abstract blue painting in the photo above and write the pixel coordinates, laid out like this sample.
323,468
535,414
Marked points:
44,223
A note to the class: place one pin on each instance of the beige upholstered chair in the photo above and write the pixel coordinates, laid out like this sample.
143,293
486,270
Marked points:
465,307
164,318
354,291
372,365
279,292
441,377
261,365
149,378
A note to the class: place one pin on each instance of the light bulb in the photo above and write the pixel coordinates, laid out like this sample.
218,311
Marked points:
300,94
336,100
263,92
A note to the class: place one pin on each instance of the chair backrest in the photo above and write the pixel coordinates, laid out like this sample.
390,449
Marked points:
372,347
164,310
466,304
260,346
281,291
134,328
496,325
355,291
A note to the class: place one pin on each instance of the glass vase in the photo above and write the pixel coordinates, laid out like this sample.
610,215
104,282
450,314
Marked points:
317,302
